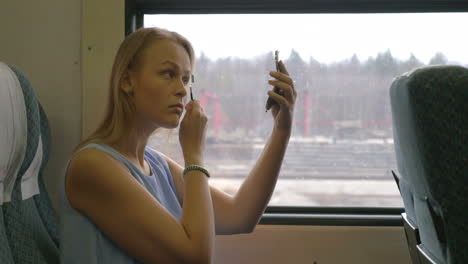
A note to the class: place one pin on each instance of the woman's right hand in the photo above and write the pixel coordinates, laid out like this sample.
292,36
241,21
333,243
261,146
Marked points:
192,133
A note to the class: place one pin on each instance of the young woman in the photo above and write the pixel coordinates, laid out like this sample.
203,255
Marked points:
123,202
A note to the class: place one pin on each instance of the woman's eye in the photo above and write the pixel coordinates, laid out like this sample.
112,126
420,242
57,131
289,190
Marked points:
186,80
168,74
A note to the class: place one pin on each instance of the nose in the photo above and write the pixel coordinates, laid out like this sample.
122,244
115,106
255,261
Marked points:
181,89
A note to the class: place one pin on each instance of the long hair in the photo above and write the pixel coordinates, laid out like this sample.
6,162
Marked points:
120,109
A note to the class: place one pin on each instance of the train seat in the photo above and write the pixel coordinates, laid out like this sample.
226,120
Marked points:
28,224
430,123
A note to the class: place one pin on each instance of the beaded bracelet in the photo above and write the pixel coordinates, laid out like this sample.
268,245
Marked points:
195,167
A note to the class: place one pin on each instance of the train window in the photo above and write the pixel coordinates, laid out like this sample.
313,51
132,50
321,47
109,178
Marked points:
341,150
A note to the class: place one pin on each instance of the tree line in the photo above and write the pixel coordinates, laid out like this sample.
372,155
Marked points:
340,92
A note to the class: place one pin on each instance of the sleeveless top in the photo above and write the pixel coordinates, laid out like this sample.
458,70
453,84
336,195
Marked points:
81,241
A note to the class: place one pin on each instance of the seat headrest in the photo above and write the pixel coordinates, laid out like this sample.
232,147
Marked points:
13,130
429,112
21,135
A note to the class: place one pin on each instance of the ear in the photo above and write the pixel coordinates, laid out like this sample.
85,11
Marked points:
127,83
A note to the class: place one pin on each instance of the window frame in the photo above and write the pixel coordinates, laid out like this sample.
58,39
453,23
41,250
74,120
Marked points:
292,215
136,9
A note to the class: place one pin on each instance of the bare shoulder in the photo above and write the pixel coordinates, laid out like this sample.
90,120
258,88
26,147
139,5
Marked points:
92,160
89,169
86,157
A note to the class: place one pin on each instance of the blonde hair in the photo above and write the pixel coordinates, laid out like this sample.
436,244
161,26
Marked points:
120,110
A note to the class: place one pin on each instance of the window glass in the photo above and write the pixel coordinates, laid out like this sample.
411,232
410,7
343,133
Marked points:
341,150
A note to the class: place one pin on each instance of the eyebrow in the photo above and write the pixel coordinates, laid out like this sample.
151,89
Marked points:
175,65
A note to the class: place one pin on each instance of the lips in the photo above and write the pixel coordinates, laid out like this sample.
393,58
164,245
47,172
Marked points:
179,106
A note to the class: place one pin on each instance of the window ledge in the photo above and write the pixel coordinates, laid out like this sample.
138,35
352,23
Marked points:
332,216
331,220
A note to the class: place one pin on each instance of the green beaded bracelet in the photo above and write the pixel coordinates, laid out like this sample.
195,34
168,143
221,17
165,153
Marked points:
195,167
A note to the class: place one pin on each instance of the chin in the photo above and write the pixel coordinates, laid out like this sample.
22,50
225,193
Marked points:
172,123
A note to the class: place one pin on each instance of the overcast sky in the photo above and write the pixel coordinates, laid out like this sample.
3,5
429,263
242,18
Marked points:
326,37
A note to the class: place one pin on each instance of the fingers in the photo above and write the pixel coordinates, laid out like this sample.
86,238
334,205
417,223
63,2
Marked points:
195,110
284,82
283,68
278,98
286,90
283,75
188,107
193,105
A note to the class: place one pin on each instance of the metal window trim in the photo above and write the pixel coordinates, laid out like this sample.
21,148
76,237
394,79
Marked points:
334,210
298,6
331,220
333,216
136,9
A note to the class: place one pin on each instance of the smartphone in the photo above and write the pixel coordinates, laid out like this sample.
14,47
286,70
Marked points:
192,78
270,102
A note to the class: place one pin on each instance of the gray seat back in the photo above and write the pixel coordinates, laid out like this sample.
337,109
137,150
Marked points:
430,122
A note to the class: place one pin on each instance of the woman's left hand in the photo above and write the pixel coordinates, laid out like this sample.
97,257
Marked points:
283,111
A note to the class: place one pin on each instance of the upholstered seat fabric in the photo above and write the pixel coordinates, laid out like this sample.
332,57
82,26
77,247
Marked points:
29,228
430,121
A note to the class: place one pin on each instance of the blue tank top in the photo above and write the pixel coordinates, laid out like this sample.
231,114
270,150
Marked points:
81,241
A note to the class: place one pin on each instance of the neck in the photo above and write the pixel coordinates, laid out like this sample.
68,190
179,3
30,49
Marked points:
132,143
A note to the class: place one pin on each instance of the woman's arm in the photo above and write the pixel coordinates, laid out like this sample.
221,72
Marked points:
253,195
255,192
103,189
240,214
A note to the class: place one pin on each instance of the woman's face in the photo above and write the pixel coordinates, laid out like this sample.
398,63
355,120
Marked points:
161,81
